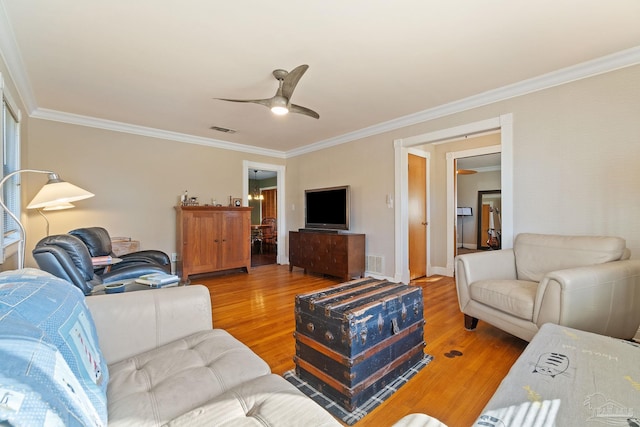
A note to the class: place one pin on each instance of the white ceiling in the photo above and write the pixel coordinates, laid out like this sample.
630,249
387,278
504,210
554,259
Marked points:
157,64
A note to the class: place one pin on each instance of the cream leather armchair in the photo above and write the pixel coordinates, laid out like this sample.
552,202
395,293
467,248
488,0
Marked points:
584,282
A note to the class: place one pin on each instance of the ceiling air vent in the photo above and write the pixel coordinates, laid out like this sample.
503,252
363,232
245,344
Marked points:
225,130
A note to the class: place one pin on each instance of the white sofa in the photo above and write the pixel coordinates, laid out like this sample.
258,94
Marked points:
584,282
167,365
147,358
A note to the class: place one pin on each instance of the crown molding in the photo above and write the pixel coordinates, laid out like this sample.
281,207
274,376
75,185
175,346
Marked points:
605,64
76,119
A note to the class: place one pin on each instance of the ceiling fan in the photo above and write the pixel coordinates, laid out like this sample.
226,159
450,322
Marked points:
280,103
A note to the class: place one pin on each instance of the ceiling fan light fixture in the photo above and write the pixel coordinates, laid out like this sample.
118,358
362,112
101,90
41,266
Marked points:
279,105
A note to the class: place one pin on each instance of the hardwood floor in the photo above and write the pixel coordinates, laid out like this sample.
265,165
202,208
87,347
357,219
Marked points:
257,308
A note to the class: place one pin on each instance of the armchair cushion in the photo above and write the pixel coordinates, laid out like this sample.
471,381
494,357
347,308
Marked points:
538,254
512,296
96,239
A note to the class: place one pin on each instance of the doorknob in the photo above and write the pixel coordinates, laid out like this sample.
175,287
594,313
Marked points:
424,223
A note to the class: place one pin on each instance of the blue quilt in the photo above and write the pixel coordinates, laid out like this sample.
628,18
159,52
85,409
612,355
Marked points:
52,370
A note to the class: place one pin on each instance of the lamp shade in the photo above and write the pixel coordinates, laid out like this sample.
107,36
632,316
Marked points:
56,192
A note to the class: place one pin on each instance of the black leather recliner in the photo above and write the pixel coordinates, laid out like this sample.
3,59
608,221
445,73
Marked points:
67,257
98,242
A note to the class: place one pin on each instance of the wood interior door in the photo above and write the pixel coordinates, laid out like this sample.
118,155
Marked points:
417,187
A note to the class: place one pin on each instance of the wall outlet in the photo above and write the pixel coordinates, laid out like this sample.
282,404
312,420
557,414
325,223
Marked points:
174,257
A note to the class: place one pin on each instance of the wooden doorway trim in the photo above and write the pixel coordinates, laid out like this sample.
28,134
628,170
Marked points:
504,123
247,166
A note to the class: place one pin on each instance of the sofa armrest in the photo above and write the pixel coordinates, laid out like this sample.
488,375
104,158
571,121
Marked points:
602,298
477,266
133,322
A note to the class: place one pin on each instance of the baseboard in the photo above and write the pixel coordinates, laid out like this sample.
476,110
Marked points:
441,271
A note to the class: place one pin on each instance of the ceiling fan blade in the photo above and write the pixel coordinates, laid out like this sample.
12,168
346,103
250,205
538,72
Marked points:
292,79
303,110
265,102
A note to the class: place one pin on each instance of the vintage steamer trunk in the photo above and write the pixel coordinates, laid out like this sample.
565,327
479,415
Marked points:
354,338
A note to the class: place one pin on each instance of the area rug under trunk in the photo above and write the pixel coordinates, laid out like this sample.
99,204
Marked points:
351,417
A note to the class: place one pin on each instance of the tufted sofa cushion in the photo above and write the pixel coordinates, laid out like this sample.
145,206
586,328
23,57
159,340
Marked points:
266,401
155,387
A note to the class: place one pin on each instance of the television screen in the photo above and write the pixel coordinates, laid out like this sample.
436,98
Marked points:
327,208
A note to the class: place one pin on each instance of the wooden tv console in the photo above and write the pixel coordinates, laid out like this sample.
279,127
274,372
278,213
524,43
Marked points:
330,253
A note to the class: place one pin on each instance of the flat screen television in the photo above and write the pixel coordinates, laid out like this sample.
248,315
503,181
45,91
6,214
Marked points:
327,208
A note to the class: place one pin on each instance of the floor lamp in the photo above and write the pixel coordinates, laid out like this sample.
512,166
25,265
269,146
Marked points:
54,192
59,207
463,212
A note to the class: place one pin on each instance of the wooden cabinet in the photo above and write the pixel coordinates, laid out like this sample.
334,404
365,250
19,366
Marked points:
210,239
334,254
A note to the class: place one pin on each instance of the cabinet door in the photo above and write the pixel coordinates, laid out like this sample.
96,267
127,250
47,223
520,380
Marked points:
339,254
317,252
295,249
201,242
235,249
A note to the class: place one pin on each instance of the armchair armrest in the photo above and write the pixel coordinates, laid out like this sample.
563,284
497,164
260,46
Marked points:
133,322
477,266
149,255
602,298
487,265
